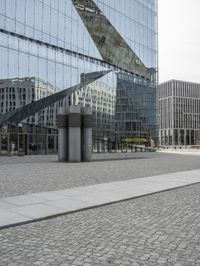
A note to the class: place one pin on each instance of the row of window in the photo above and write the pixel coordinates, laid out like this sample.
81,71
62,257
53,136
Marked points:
179,89
14,89
13,96
183,113
179,137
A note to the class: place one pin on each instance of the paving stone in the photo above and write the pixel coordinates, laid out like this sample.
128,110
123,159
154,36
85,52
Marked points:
31,174
152,230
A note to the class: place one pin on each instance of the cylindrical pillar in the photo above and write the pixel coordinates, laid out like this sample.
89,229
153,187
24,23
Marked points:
86,134
62,124
74,134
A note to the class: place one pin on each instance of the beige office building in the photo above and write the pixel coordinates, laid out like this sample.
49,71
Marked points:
179,114
17,92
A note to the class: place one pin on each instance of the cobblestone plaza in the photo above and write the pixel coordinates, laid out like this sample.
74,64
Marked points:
157,229
161,229
48,175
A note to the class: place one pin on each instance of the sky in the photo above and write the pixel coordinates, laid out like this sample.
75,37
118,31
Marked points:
179,40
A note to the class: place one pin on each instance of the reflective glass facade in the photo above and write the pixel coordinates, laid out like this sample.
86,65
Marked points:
58,40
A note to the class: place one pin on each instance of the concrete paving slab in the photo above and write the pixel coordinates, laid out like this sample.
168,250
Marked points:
23,200
101,197
69,204
92,199
26,208
46,196
4,205
9,217
37,211
181,151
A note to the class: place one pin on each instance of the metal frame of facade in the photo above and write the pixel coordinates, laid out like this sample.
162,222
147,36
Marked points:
57,43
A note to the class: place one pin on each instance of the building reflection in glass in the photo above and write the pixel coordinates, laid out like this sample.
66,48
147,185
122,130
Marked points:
49,41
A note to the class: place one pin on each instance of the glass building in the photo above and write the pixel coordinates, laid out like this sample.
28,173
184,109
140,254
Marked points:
58,41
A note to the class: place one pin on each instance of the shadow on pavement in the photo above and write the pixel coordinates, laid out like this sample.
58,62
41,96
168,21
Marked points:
118,159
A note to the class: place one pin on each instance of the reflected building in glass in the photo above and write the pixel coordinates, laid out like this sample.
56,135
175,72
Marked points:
58,42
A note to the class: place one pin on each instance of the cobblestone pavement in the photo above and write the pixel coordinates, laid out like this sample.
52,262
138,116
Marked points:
29,174
159,229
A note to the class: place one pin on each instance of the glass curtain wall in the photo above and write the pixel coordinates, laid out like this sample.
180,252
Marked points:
136,105
47,40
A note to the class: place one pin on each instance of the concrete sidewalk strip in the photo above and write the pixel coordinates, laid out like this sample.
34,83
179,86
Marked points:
30,207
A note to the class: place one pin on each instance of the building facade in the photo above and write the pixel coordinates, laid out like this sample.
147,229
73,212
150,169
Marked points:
179,113
102,100
59,41
15,93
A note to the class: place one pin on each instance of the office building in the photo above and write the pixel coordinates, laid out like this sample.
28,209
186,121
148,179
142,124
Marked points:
15,93
179,113
60,41
102,100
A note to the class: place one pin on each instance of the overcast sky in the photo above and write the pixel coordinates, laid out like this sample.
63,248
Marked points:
179,40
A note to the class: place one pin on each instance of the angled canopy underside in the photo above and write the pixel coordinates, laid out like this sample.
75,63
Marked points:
111,45
28,110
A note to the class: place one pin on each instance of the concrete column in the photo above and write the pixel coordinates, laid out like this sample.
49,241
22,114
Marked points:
62,124
0,144
86,134
74,134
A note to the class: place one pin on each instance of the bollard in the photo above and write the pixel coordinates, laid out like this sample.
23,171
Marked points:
62,124
86,134
74,134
